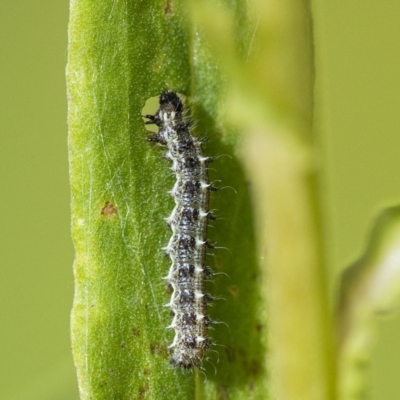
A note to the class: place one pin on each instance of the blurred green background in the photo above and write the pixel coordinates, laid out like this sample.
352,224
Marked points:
358,120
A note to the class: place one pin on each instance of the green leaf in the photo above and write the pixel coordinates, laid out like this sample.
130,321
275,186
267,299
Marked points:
369,288
120,55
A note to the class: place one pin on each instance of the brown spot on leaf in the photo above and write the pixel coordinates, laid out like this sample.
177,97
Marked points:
218,263
169,288
253,368
135,332
158,349
143,390
234,291
109,210
223,393
167,8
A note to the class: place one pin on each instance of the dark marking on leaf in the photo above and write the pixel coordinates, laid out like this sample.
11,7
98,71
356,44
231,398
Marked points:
223,393
167,8
218,263
234,291
158,349
143,390
135,332
169,288
109,210
253,368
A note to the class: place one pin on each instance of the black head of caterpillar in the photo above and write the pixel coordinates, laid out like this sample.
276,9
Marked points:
188,221
170,113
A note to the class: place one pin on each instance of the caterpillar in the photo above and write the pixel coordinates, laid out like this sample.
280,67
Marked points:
188,222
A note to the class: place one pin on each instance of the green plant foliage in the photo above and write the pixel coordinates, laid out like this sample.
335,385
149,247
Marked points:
242,71
369,288
270,100
120,54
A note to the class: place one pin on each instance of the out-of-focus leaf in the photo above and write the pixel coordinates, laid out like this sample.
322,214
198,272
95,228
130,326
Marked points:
270,101
299,335
370,287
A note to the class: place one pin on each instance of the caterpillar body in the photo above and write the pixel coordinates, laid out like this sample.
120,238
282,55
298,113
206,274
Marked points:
188,222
